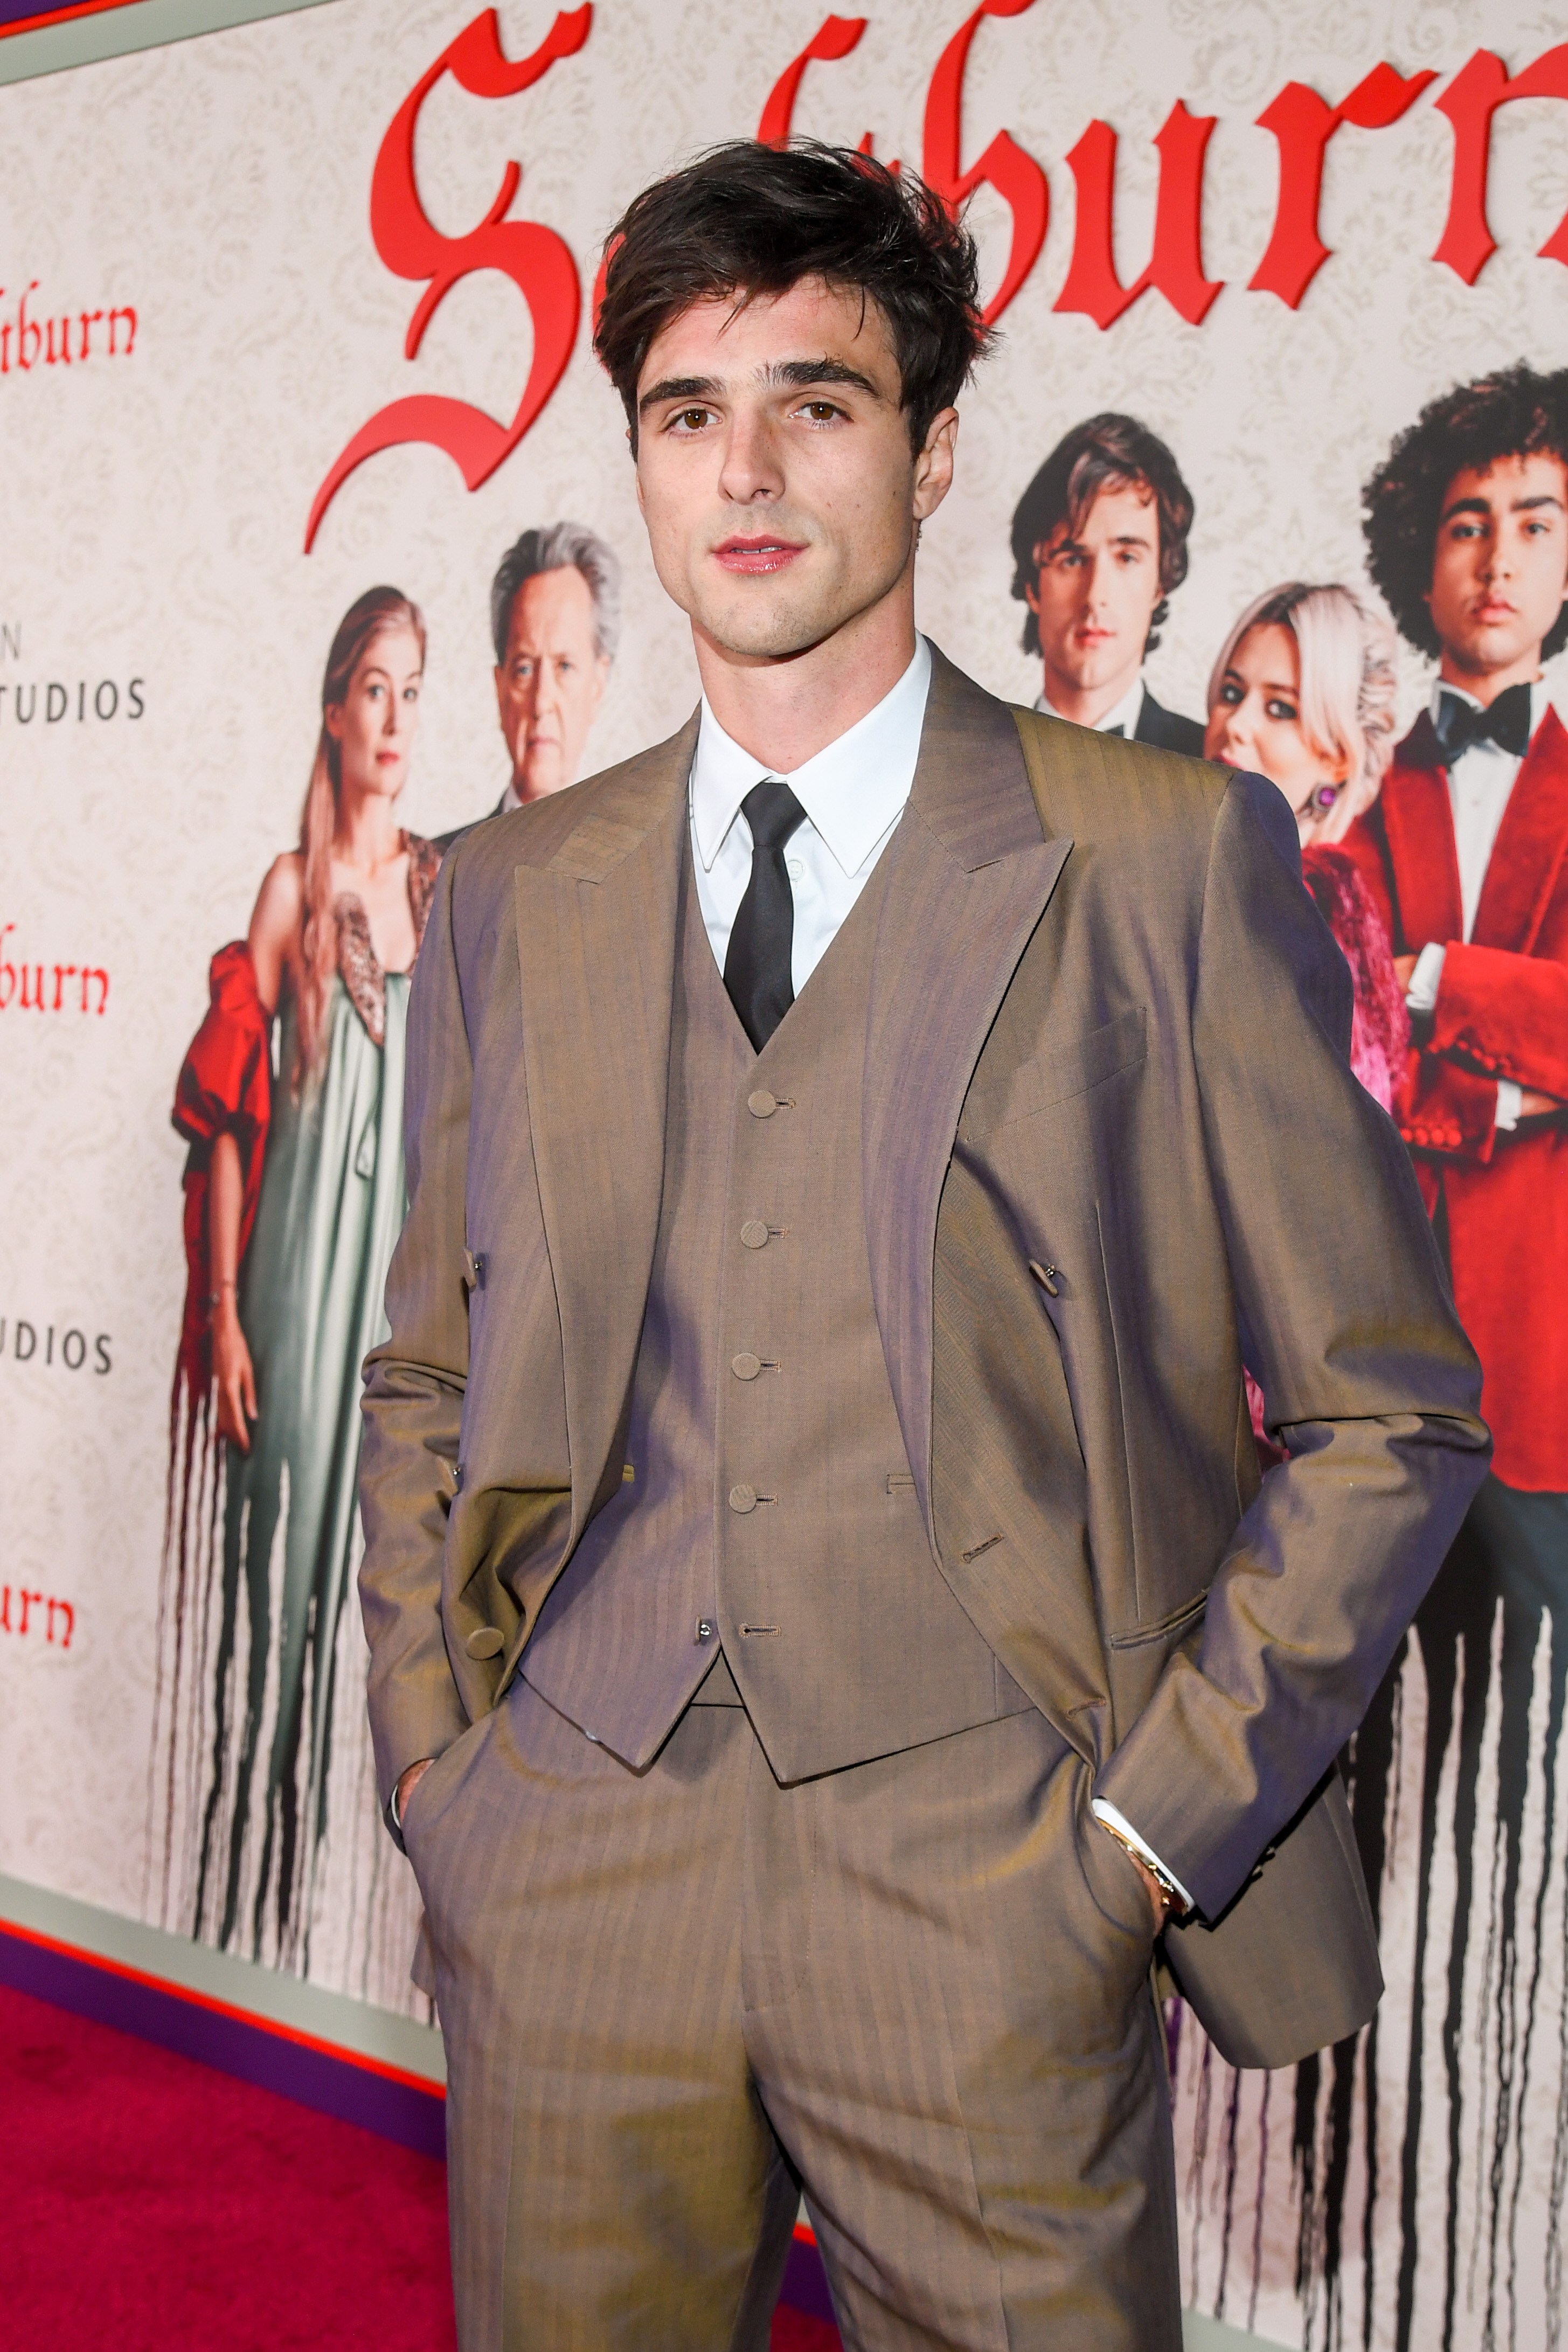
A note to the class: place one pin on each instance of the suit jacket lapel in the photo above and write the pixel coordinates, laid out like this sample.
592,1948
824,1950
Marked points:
1419,822
595,934
1528,853
970,879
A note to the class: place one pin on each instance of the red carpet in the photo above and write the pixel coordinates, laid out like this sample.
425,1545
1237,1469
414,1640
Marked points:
153,2205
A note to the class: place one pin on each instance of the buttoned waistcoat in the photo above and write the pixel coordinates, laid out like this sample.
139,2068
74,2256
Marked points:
1105,1036
766,1502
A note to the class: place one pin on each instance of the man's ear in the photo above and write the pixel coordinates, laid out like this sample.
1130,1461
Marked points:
934,463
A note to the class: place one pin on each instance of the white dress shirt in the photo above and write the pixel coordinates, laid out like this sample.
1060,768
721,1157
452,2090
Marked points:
1123,716
853,794
1479,784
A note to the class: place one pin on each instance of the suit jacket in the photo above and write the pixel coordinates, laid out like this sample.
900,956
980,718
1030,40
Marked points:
1502,1013
1167,729
446,842
1112,1042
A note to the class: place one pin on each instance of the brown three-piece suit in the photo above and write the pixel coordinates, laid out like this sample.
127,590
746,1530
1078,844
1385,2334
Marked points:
796,1483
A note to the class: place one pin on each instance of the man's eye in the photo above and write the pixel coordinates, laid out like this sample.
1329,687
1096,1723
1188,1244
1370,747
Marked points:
823,411
691,420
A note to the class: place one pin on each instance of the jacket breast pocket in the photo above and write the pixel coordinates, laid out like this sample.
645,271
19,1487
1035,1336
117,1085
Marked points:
1055,1074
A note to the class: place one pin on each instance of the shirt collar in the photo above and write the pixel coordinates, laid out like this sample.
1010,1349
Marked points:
1124,714
852,791
1539,697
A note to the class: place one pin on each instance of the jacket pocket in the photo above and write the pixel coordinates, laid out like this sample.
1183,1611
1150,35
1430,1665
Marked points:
1164,1629
1055,1074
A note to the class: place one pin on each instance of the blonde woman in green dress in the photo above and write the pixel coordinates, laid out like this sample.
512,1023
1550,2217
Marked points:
303,1203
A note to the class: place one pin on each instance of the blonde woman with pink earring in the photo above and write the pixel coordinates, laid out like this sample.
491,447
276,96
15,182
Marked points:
1303,694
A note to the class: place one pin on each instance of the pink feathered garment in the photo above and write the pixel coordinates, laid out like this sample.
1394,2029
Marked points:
1380,1026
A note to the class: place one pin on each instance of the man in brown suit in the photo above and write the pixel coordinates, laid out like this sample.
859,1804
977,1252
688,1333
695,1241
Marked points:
811,1517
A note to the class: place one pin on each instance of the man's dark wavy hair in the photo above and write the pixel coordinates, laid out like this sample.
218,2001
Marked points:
746,219
1515,413
1105,452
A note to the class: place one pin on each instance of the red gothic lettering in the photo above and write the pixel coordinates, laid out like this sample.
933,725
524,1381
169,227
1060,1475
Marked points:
1004,166
129,315
90,319
87,975
834,39
1175,263
25,327
51,356
537,262
4,1609
1303,123
68,1613
34,1003
1471,100
63,971
27,1598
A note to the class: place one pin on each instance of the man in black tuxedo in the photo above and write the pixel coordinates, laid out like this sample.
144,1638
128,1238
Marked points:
1099,541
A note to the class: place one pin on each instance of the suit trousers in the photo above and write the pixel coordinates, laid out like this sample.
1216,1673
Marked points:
919,1986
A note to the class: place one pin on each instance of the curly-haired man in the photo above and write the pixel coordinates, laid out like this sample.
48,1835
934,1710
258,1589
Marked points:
1466,850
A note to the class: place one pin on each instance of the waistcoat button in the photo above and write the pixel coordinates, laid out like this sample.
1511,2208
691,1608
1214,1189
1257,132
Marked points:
762,1105
745,1366
754,1234
488,1642
742,1498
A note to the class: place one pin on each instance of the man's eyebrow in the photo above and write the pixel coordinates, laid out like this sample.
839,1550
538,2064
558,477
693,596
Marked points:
1527,505
796,375
679,387
1465,505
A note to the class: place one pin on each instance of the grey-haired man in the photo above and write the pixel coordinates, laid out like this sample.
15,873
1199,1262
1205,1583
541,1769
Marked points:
555,612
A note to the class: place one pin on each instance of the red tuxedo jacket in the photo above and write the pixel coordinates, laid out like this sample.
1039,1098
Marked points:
1502,1013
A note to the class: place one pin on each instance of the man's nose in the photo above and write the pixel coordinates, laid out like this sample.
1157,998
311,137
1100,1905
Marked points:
752,469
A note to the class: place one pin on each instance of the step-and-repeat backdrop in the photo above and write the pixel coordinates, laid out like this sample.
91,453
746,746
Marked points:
298,310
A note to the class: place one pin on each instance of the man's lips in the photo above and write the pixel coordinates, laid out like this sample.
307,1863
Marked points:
768,554
1495,608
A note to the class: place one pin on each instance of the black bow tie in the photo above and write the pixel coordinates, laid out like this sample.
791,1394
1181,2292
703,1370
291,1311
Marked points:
1505,723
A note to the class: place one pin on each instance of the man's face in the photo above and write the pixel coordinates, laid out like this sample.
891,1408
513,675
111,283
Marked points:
1097,590
1500,570
775,471
551,682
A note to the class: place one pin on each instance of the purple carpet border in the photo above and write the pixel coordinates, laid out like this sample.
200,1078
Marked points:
353,2090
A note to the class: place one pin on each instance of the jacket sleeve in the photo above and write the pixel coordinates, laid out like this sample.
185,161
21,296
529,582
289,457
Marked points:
1345,1321
1505,1015
415,1382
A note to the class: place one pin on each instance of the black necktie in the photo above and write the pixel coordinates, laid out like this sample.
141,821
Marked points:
1505,723
757,962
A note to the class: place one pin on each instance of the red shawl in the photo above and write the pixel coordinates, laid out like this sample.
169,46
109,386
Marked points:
224,1088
